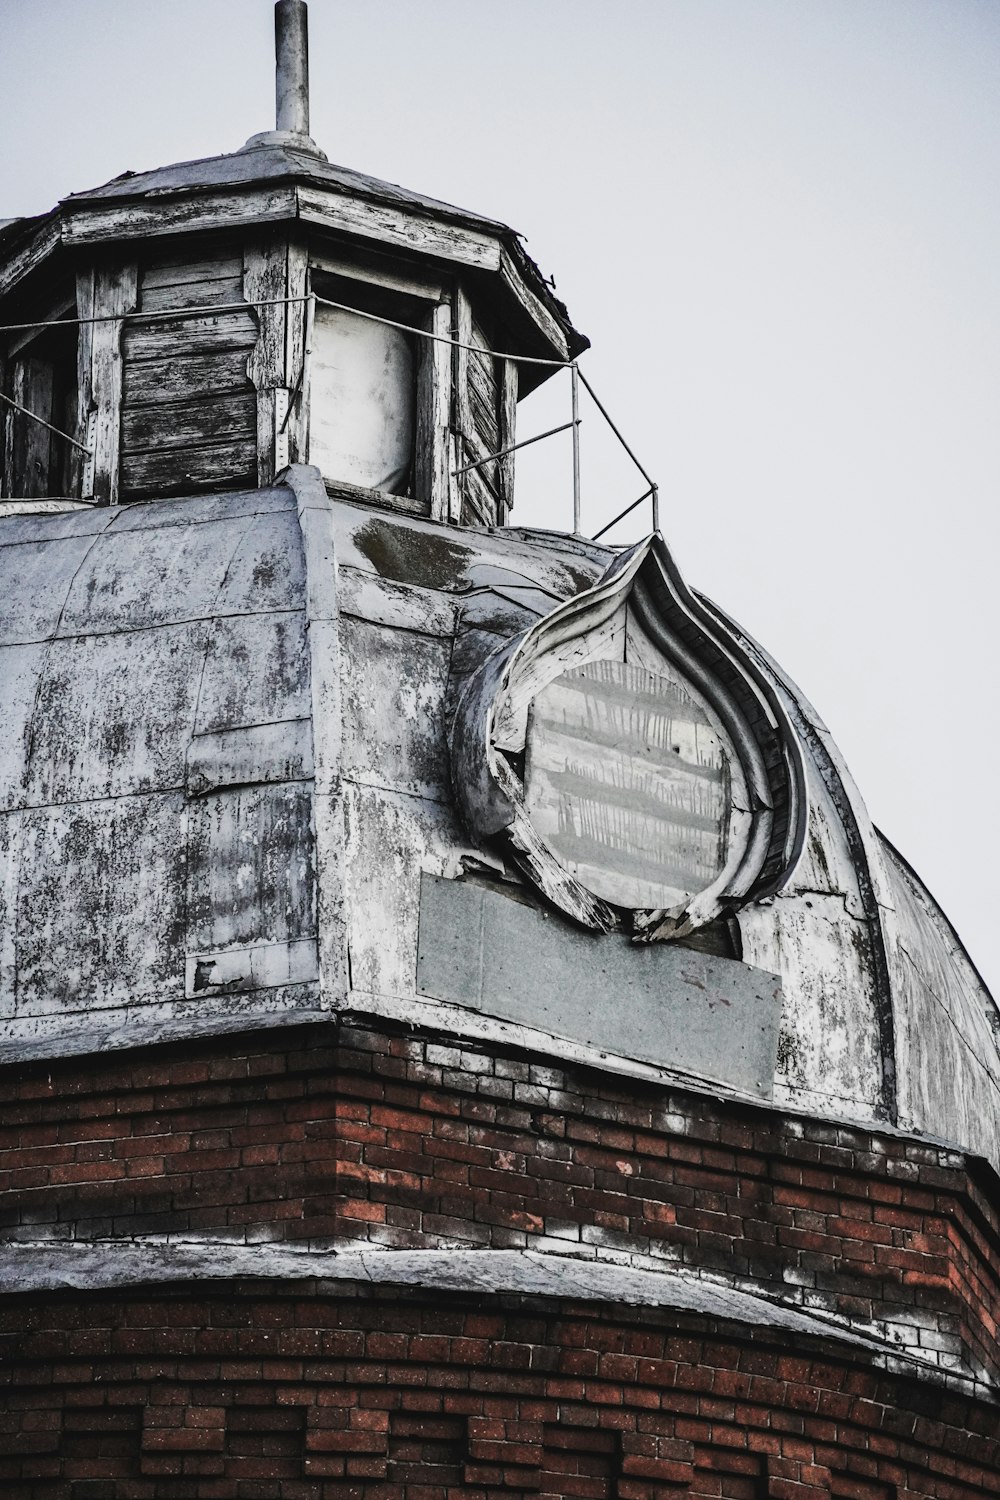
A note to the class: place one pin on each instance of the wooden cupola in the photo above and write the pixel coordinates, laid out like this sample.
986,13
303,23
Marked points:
200,326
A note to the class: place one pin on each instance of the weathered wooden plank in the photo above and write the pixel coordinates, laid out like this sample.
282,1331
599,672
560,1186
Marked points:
296,363
206,335
32,443
462,415
533,305
233,463
62,307
265,279
183,294
85,403
394,226
179,377
94,222
115,292
176,424
412,281
15,267
223,266
508,430
433,452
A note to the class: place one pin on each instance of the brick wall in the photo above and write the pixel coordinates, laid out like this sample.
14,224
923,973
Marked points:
259,1396
390,1140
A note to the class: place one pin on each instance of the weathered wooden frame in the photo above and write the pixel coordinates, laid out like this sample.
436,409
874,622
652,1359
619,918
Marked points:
490,503
432,470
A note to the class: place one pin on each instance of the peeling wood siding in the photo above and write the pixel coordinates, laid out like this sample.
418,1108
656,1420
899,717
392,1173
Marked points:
483,421
189,410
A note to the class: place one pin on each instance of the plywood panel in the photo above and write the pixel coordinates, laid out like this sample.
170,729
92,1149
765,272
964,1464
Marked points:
189,410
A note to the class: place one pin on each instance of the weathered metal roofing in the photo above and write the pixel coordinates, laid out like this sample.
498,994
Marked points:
227,779
275,162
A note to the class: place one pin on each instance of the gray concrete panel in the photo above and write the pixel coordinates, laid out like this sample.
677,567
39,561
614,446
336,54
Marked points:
714,1018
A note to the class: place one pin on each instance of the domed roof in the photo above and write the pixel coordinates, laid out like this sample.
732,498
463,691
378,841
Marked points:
231,795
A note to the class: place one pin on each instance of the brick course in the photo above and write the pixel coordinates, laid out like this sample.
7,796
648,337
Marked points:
255,1395
375,1137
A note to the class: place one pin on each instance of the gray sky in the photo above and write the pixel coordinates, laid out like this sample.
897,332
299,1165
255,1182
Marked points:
777,220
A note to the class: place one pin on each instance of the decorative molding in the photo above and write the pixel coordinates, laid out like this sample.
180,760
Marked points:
641,602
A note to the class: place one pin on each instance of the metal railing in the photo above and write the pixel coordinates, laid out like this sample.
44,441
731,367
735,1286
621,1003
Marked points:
311,299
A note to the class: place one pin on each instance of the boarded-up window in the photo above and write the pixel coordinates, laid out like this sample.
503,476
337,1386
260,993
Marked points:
362,401
627,780
189,414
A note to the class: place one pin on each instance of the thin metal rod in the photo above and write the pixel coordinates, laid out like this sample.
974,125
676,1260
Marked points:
626,512
152,317
241,307
607,417
445,338
217,309
524,443
574,381
42,423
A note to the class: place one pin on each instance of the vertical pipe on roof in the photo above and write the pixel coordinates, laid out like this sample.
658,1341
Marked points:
291,80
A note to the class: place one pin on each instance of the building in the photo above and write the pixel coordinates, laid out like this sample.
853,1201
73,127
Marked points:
462,1034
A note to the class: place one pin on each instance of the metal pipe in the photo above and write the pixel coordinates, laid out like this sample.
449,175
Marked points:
291,78
492,458
574,380
42,423
607,417
623,513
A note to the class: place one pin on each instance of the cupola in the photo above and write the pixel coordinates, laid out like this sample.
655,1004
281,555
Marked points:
201,326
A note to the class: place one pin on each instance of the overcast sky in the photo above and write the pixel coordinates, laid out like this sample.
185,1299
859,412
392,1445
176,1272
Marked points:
779,223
